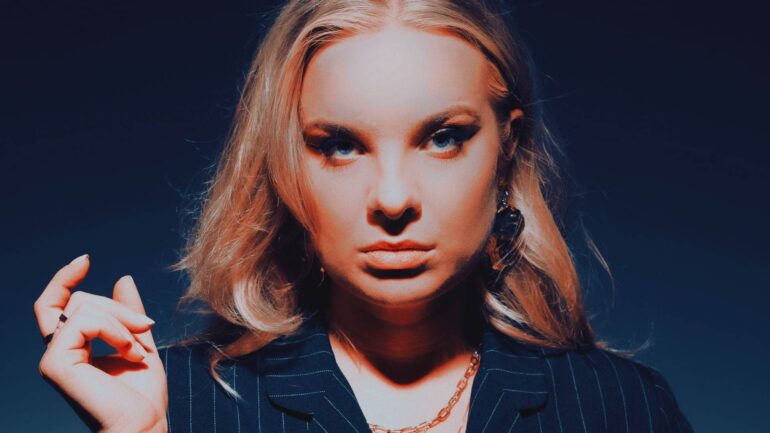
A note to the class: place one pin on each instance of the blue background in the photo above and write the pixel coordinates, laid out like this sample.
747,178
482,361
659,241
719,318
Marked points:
113,114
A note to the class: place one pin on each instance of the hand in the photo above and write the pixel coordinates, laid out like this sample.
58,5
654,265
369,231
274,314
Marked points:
122,392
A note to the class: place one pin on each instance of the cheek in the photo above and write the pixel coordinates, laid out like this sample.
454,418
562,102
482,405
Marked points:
463,201
338,210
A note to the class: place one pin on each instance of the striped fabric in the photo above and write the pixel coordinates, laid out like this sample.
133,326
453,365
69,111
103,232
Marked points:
294,385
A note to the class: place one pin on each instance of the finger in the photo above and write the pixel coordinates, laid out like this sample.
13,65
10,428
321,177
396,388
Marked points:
93,322
135,322
131,349
56,294
126,292
69,346
66,364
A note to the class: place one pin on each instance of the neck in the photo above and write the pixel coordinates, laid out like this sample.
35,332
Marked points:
404,343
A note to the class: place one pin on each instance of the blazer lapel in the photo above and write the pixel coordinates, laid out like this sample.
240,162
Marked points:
509,383
302,377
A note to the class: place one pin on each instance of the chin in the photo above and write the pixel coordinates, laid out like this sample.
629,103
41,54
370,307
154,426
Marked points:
400,291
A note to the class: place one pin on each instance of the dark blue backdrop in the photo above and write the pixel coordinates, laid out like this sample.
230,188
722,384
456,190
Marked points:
114,112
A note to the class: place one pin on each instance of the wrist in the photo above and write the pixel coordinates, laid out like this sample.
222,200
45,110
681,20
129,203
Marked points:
159,426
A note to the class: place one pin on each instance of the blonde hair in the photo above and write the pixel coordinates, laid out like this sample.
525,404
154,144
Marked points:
248,257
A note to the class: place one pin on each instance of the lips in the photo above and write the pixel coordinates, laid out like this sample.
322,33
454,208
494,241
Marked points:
396,246
396,259
401,255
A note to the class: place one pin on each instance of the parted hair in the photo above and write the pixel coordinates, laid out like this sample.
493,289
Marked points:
247,255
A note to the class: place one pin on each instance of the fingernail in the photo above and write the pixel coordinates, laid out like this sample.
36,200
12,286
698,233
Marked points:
138,347
79,260
147,320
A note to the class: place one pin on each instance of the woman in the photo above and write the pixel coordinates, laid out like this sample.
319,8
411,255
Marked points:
377,248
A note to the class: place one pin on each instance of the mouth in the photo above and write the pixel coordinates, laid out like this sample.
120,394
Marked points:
397,259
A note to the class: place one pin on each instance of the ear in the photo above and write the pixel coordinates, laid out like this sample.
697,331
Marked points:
511,136
512,132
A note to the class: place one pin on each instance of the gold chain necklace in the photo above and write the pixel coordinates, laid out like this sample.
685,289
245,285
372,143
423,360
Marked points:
443,414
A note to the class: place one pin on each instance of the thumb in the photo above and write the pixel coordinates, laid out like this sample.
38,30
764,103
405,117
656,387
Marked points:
126,293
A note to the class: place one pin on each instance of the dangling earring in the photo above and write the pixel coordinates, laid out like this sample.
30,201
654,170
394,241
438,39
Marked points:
509,222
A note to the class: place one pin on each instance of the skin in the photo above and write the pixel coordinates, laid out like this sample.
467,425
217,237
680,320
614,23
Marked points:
405,348
122,392
407,327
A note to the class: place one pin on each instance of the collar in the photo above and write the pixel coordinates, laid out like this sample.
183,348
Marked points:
301,376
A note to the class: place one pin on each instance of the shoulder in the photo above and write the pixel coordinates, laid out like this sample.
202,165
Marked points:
176,354
618,389
196,398
190,364
186,363
187,370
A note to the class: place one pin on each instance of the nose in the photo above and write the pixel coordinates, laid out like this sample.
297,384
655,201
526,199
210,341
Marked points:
394,194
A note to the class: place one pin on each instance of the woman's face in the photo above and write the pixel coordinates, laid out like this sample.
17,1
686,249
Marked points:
401,145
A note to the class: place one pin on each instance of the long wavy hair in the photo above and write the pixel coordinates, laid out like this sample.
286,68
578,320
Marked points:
248,257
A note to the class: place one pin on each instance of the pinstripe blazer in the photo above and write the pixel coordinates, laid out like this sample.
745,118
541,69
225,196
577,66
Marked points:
295,385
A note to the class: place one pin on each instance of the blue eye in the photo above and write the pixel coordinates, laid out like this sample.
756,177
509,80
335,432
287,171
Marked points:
331,146
444,140
449,141
450,138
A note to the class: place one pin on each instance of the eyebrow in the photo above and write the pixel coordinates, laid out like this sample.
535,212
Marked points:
426,125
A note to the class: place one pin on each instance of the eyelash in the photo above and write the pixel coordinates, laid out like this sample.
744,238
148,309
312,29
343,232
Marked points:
459,134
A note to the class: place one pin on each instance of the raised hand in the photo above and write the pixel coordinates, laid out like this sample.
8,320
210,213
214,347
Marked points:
123,392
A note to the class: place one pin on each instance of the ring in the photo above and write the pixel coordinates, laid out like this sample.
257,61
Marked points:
47,339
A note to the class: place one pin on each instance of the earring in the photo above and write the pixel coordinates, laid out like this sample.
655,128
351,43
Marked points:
323,275
508,224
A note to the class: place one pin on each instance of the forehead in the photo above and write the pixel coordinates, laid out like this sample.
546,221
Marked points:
396,72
